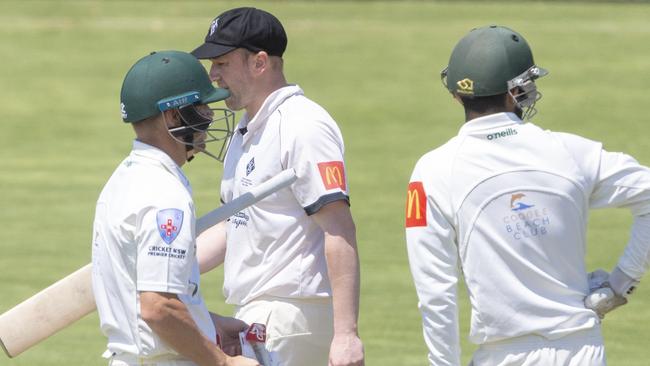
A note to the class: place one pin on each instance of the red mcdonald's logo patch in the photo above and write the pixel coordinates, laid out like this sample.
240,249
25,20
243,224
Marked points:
416,205
333,174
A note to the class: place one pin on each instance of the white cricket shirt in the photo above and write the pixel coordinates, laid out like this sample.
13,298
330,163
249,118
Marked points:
143,240
274,247
508,203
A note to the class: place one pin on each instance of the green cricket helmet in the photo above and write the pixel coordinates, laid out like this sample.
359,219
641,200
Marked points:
494,60
176,80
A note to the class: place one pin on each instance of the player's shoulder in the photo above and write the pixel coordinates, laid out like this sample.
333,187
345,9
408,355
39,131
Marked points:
300,102
158,185
300,110
576,143
441,155
435,166
305,119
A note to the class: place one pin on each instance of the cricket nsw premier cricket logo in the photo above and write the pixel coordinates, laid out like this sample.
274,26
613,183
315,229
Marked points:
169,223
525,220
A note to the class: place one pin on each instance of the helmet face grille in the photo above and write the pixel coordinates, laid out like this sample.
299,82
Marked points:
216,129
524,92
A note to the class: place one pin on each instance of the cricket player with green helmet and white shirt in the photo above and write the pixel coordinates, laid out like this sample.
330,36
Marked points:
506,203
146,278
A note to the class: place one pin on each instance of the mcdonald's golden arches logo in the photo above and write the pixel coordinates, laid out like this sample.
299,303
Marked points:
333,174
416,205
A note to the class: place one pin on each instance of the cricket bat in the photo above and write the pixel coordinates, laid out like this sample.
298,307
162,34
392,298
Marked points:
71,298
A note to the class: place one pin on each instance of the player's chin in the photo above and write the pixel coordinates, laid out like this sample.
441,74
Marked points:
199,142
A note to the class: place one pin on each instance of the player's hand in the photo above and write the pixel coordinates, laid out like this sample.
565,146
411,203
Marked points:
228,329
346,350
608,292
241,361
597,278
603,300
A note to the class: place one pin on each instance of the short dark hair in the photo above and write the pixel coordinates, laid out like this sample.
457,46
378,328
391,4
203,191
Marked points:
484,105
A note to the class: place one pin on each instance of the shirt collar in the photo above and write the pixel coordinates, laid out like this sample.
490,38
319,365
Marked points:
147,151
271,103
489,122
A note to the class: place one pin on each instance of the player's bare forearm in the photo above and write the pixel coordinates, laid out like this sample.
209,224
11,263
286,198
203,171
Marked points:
211,247
343,268
343,271
172,322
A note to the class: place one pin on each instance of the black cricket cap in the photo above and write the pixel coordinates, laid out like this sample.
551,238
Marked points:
250,28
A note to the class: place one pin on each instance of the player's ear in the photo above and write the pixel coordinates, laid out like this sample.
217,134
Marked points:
458,99
260,62
171,118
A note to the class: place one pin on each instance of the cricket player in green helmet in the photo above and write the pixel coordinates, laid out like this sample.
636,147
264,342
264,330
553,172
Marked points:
145,276
506,202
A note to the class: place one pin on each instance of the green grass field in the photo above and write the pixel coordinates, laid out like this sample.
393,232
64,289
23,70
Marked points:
375,67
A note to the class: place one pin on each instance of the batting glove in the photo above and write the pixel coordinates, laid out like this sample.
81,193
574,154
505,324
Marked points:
608,291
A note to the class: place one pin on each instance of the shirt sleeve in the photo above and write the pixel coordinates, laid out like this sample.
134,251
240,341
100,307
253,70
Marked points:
636,257
166,245
315,151
433,258
621,182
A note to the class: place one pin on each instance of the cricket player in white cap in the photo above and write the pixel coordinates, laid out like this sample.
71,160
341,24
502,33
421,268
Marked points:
291,261
145,272
506,203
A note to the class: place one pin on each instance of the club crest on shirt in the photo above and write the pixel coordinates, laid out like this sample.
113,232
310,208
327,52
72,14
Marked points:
169,223
250,166
333,174
525,220
516,204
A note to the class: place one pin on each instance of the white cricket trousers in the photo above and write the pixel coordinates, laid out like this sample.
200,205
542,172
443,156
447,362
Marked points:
582,348
298,331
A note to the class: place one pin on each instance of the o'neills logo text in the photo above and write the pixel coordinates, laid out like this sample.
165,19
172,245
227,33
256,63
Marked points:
416,205
333,174
506,133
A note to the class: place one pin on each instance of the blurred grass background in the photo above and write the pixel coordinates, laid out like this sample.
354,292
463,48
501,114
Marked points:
373,65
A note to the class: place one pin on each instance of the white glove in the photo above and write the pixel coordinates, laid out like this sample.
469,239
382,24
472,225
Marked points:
607,292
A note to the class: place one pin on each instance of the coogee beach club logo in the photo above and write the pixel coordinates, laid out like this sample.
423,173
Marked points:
526,220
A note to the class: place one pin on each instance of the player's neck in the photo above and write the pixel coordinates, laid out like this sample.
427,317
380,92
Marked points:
263,93
471,115
155,135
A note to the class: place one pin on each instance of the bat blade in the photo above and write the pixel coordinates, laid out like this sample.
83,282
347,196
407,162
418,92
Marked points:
71,298
47,312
